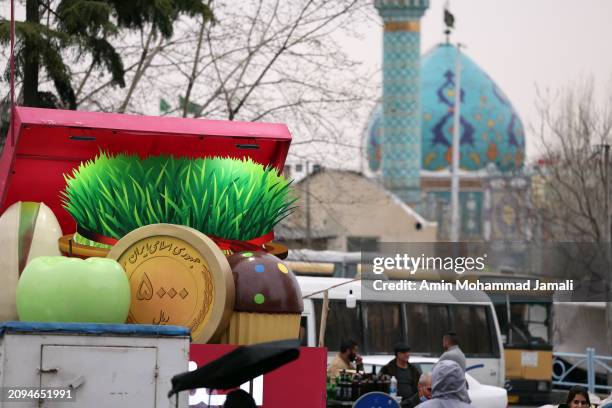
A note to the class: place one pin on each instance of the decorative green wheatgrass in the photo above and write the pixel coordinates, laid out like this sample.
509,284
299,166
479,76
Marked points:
229,198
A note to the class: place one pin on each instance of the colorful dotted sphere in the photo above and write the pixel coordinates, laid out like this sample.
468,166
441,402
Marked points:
264,283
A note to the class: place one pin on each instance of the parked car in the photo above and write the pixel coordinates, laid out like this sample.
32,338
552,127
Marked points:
482,396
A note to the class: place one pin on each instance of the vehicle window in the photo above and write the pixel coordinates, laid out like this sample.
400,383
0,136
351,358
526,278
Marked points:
538,322
377,326
502,318
382,326
529,324
342,323
303,331
425,326
467,320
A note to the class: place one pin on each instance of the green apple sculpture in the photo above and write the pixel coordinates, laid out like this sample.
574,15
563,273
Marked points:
61,289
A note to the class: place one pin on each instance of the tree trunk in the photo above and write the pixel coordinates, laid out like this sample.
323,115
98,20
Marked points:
30,69
139,71
194,71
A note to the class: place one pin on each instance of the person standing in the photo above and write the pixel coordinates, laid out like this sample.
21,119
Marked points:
347,359
406,374
449,388
450,343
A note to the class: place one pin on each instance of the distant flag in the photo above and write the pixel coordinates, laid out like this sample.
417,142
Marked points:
192,107
449,19
164,106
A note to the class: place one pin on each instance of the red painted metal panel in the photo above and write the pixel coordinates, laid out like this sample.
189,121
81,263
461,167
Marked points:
124,123
299,384
50,143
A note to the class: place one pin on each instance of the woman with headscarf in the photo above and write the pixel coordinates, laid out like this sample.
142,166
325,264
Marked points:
448,387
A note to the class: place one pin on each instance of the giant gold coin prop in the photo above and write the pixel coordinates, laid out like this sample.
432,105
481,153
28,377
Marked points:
178,276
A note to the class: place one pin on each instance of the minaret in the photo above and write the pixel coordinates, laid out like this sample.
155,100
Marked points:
401,144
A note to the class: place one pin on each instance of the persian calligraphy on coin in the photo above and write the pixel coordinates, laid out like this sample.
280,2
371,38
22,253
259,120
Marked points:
178,276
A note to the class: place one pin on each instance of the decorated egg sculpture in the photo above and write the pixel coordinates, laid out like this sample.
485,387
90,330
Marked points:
27,230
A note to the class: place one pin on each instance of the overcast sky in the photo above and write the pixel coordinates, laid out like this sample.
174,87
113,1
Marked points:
519,43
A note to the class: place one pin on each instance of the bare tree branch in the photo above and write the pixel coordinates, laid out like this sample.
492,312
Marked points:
572,174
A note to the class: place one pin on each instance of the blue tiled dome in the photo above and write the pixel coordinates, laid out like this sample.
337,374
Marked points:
491,131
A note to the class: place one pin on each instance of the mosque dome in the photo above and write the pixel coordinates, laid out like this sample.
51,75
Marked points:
491,130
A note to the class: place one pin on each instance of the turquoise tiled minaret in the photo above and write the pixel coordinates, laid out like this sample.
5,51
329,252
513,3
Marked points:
401,147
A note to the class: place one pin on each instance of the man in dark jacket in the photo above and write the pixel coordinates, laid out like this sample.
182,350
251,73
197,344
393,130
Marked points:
406,374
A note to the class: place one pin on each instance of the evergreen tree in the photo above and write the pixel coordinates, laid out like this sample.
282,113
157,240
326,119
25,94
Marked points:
85,28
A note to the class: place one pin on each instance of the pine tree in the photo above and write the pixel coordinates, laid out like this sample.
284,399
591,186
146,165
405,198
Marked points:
85,26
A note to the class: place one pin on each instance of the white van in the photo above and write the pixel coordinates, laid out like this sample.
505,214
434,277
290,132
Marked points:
420,319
